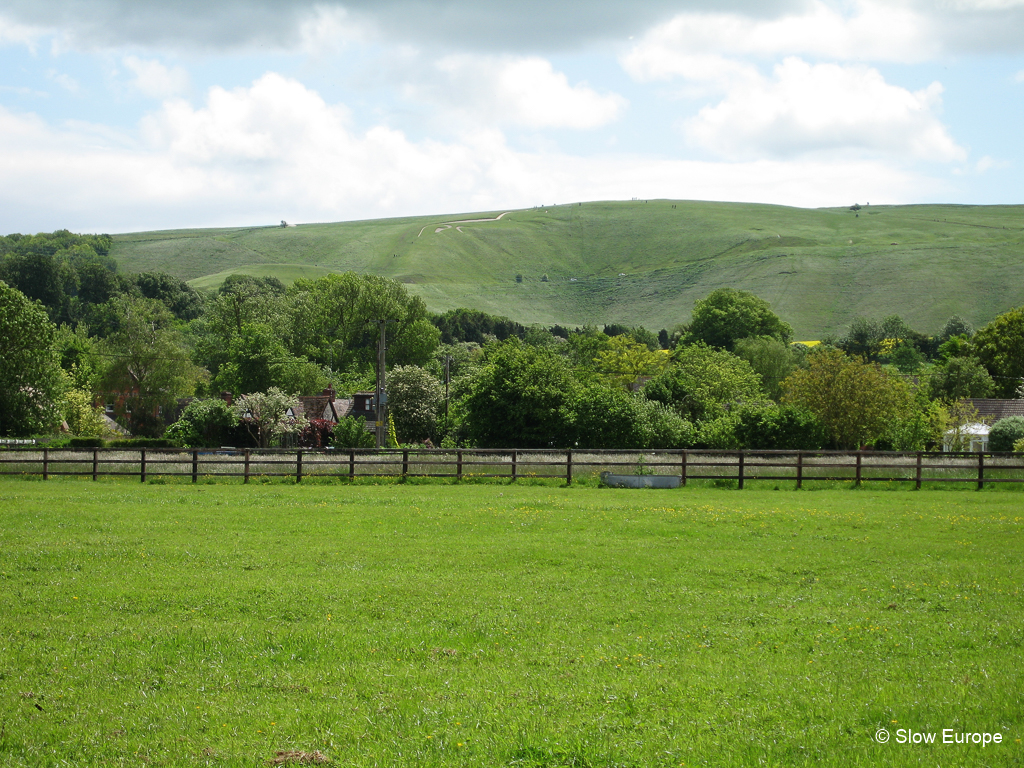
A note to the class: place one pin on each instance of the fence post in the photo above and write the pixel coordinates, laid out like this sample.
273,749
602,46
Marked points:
568,467
858,467
246,473
405,462
95,463
981,471
740,473
458,464
683,468
195,465
142,464
515,467
918,470
46,464
298,466
799,469
351,464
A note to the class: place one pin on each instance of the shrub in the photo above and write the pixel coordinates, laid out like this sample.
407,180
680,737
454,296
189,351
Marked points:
204,422
143,442
1005,433
86,442
351,433
786,427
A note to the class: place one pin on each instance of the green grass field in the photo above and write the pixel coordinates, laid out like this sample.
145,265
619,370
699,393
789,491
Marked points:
643,262
500,625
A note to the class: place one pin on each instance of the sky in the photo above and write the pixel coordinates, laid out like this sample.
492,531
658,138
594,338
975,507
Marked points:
132,115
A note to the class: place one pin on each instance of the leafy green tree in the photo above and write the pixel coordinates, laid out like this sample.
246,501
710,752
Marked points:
863,339
585,347
539,336
83,417
40,276
625,360
416,401
519,398
921,428
958,378
956,326
242,300
205,422
602,417
148,363
31,380
704,382
1000,346
334,321
266,415
772,359
97,283
79,356
855,400
460,325
1005,433
257,360
907,358
184,301
727,315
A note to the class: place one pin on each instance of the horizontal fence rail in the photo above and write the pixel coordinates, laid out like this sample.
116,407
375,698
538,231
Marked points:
465,463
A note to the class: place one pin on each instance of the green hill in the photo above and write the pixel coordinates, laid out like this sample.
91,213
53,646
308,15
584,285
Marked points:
643,262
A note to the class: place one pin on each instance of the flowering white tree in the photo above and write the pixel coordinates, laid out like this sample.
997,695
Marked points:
269,414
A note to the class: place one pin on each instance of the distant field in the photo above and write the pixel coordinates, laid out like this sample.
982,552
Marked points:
499,625
644,262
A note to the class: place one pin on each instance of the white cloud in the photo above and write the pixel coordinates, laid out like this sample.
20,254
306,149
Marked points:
65,81
824,107
520,91
1019,77
156,80
277,151
14,33
875,31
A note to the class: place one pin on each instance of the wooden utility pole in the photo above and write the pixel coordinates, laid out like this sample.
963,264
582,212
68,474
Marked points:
447,379
381,396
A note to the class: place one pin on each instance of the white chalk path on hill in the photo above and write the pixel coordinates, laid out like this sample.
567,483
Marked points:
448,224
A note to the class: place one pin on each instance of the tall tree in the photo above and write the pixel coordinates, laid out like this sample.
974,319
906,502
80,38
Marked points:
704,382
266,415
727,315
416,401
30,375
626,360
148,364
855,400
1000,346
519,398
772,359
334,321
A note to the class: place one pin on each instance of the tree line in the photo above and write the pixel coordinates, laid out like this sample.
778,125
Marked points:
75,334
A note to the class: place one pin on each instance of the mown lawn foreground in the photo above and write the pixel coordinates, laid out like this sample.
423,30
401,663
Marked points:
421,625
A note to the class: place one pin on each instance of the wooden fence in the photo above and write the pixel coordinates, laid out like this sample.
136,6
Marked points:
689,465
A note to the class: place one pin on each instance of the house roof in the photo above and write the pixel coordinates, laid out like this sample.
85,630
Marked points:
323,407
993,410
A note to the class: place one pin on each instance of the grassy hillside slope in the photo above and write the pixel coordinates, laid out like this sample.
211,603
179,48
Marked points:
643,262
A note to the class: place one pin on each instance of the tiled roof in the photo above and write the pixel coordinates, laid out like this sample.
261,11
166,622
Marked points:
994,410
